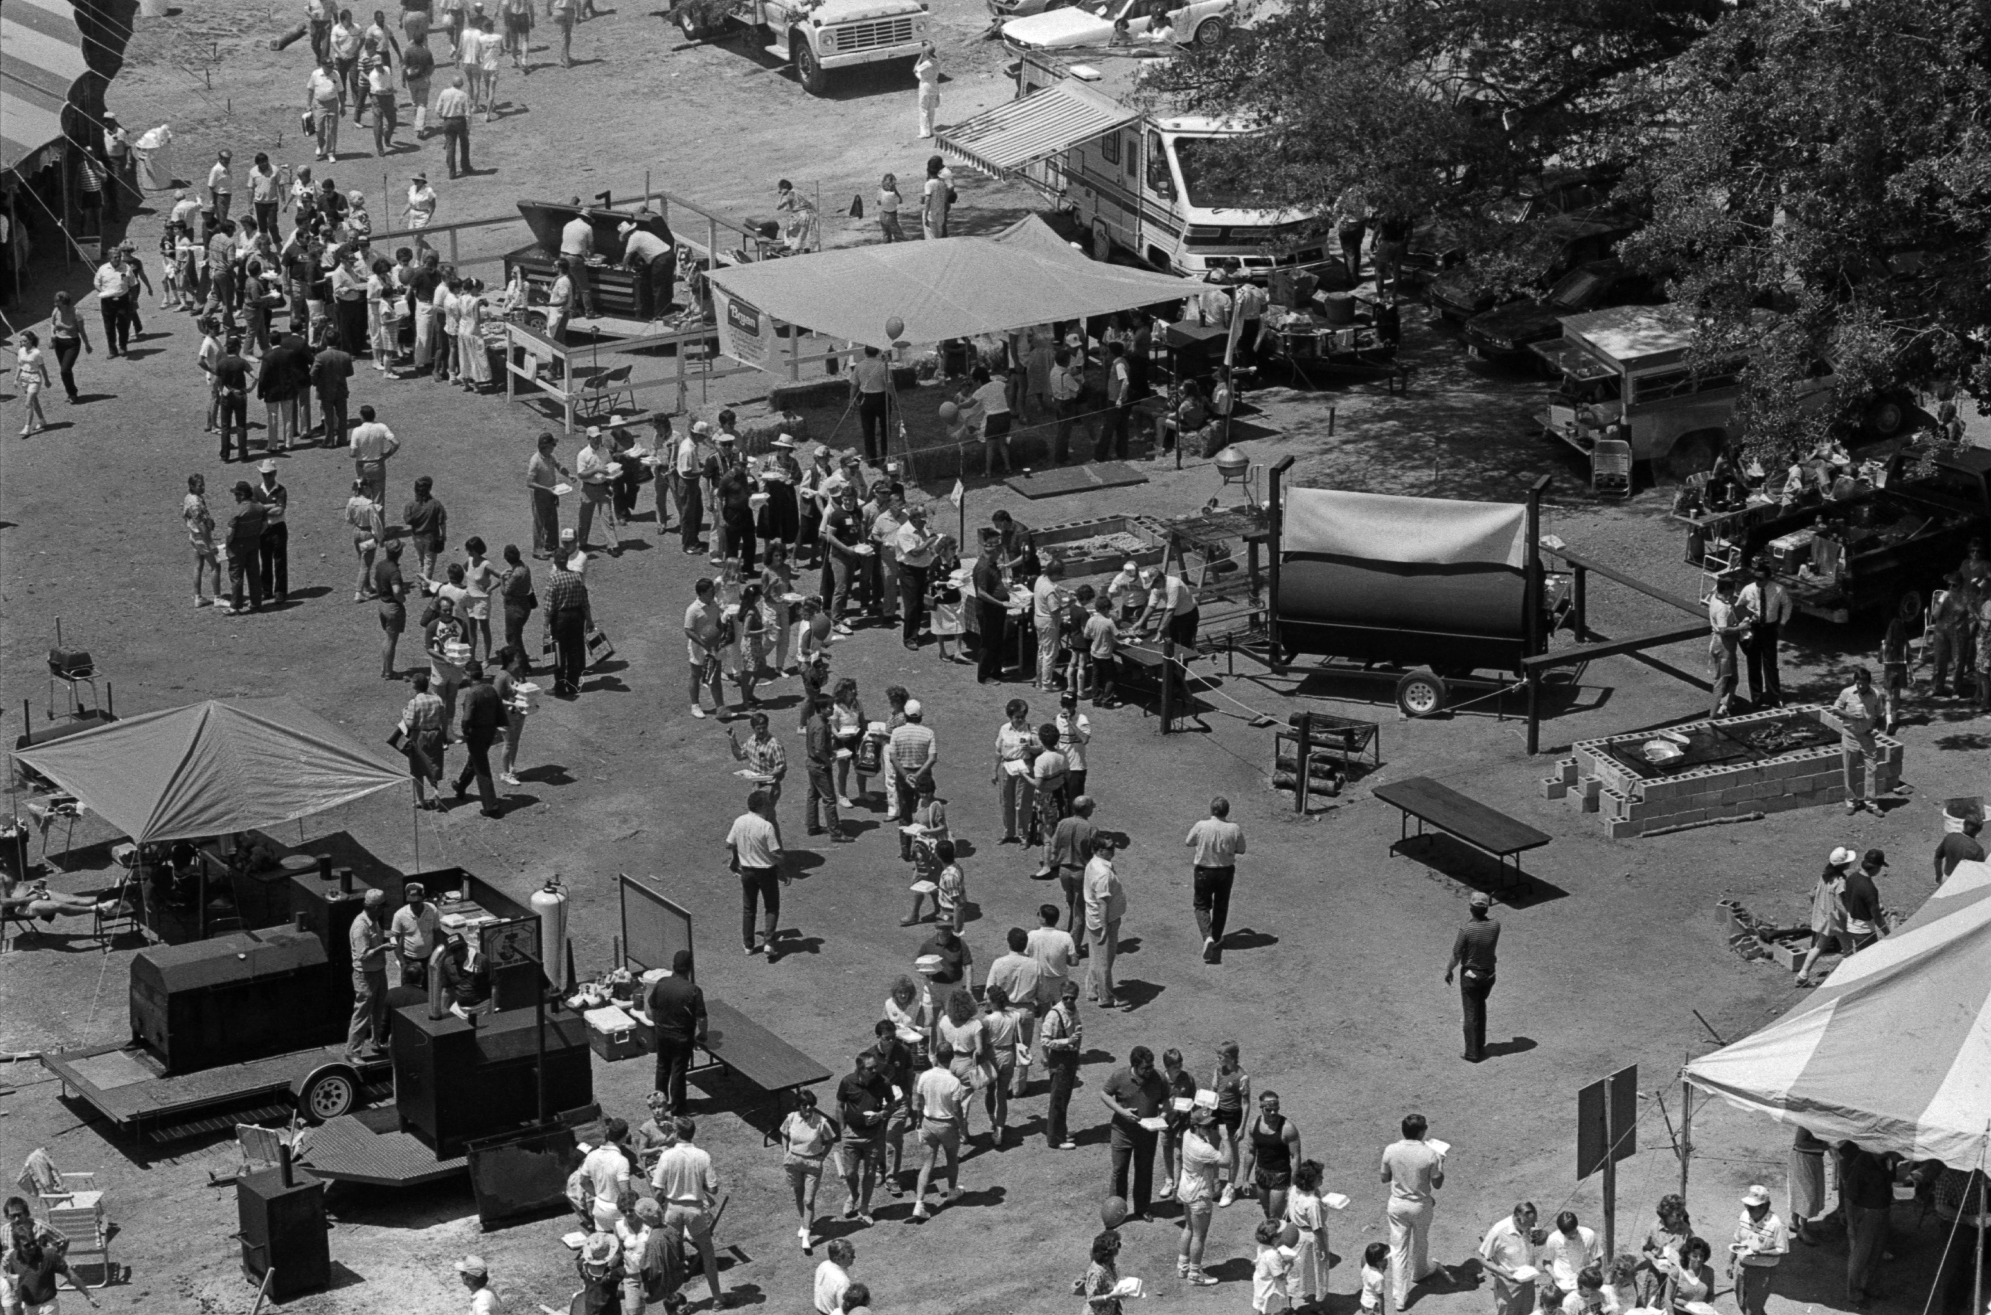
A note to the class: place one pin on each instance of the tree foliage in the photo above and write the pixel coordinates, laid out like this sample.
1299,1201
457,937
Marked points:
1831,161
1436,108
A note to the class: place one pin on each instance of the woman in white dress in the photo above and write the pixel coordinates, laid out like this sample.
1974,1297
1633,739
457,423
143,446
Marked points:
449,356
473,363
383,296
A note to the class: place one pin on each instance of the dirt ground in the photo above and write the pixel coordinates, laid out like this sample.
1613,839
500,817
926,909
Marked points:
1334,991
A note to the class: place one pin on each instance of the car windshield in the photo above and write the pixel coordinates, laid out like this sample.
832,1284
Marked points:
1577,288
1197,158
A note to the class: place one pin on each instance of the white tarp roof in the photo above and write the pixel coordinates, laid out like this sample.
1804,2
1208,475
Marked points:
956,287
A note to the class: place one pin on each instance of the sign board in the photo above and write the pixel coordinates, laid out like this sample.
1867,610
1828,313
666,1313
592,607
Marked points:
745,334
1616,1096
653,928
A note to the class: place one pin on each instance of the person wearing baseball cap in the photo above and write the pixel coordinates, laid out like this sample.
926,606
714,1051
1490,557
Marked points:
476,1276
1064,1040
1761,1240
1475,955
416,931
367,941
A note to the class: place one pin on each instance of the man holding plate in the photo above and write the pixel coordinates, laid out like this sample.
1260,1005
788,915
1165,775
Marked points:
1507,1253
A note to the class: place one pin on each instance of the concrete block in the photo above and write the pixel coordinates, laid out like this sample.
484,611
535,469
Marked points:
1789,954
1687,815
1591,785
1553,787
1588,802
1625,829
1565,771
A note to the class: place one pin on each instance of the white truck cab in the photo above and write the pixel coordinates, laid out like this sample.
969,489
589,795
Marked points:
817,36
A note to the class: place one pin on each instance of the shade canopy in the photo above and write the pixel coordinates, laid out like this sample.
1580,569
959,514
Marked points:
41,58
212,768
956,287
1894,1050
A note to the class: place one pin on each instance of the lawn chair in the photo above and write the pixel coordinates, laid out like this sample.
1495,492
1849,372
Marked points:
262,1148
74,1207
1611,467
123,916
599,392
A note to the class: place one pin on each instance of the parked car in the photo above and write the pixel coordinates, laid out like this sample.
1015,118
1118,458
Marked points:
1202,21
1572,239
1506,332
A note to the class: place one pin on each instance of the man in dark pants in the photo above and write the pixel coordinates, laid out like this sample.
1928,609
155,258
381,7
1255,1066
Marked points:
543,473
677,1012
483,719
1475,953
569,616
245,546
871,377
1217,841
755,847
654,262
1769,607
231,383
1135,1093
1112,445
330,370
915,545
1068,853
273,551
1064,1040
994,616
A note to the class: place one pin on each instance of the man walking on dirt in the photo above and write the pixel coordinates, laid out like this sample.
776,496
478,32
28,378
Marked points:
1475,955
1217,841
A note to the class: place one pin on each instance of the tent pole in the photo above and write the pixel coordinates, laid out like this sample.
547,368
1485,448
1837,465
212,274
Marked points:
1686,1128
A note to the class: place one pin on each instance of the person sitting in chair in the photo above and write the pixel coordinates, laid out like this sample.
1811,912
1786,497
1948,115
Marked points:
462,977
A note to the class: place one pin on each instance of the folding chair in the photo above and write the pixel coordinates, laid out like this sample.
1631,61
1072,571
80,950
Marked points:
22,924
1611,467
61,808
598,394
73,1207
124,915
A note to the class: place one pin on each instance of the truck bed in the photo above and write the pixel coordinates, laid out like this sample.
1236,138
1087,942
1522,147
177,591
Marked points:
127,1084
1896,540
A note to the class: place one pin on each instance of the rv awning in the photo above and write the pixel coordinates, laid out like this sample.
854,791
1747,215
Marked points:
1021,132
41,57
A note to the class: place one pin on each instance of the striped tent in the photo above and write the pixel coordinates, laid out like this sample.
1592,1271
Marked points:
1894,1050
41,57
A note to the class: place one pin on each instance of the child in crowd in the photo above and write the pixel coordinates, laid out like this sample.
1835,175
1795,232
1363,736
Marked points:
1375,1265
1306,1212
952,896
751,651
1269,1270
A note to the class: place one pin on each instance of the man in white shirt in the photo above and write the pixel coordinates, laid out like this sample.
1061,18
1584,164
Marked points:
1105,905
1506,1249
221,186
1568,1251
915,546
701,646
654,262
577,243
606,1169
755,848
1857,710
591,467
325,101
885,535
114,299
941,1099
1171,607
686,465
1067,387
1217,841
1018,973
871,377
1727,620
1074,734
687,1185
373,444
414,929
476,1278
1769,603
1112,445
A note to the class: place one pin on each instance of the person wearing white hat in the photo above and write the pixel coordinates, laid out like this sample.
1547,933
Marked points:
1761,1241
653,259
367,942
476,1276
593,467
687,472
1828,915
273,551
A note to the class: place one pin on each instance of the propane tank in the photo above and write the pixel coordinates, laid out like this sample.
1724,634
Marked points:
550,903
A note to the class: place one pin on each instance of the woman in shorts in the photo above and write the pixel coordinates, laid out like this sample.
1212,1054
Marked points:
1196,1189
31,373
807,1135
200,533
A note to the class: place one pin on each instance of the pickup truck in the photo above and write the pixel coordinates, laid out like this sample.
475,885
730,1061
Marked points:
816,36
1883,548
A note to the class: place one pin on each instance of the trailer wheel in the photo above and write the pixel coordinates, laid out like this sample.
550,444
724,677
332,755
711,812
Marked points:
1420,693
808,71
328,1093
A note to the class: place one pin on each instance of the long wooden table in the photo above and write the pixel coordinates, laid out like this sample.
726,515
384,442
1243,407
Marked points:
1469,820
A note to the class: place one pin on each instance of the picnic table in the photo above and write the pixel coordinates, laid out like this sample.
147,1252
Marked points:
736,1042
1441,806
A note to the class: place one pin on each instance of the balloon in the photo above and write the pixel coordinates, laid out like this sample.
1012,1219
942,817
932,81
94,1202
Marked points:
894,326
1113,1212
949,413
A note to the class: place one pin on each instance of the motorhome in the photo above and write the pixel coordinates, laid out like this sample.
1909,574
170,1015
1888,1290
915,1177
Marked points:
1137,181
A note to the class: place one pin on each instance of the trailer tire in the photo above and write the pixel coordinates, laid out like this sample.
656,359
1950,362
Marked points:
327,1092
808,70
1421,693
